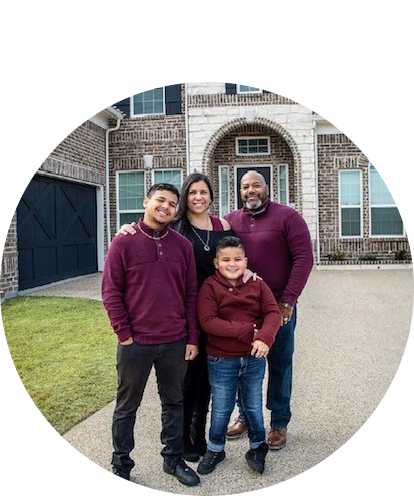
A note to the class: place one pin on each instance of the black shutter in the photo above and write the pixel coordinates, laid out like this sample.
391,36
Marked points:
267,87
173,99
231,89
121,97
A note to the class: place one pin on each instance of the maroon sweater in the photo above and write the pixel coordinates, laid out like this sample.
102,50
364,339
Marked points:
149,288
278,246
227,314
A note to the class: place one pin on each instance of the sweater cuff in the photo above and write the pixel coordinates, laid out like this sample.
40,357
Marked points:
269,339
288,297
124,334
193,337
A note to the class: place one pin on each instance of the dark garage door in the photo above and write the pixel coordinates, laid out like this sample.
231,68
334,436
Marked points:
56,231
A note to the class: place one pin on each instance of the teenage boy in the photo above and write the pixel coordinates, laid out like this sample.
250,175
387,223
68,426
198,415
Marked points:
149,289
241,321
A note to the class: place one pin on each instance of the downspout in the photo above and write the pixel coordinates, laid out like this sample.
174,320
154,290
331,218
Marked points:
108,220
187,132
315,146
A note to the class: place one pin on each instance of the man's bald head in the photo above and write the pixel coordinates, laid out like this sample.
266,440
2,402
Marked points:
253,190
255,176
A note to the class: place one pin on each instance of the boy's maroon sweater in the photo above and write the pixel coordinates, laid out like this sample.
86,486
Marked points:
149,288
227,314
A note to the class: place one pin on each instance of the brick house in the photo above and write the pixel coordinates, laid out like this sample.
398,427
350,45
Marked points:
222,130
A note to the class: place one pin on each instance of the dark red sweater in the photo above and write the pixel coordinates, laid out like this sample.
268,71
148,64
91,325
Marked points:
227,314
149,288
278,246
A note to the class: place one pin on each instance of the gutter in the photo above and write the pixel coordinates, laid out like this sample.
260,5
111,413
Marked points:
315,147
187,132
119,116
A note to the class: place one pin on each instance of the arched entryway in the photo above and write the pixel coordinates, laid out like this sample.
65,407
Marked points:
262,145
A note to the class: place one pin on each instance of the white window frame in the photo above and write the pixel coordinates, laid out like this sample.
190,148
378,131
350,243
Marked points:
137,116
118,211
252,154
257,92
163,170
360,206
252,166
287,183
369,97
228,189
393,205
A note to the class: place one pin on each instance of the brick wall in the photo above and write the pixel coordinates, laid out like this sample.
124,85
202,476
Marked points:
161,136
45,136
337,152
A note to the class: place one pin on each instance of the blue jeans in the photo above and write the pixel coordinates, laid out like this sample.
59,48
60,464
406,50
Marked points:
227,376
279,387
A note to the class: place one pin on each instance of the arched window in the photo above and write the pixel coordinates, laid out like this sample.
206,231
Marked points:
386,188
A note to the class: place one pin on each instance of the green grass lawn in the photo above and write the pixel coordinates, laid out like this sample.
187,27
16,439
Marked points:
64,352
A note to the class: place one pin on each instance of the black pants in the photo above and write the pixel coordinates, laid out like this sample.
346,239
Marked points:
134,364
196,394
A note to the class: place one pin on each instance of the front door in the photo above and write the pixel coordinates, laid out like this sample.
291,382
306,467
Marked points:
264,171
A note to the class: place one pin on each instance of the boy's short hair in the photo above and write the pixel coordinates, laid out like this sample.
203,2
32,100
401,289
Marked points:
229,242
163,186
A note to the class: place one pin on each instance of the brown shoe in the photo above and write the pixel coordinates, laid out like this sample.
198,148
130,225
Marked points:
237,429
277,438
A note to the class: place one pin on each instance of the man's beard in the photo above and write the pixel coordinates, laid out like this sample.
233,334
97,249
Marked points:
254,206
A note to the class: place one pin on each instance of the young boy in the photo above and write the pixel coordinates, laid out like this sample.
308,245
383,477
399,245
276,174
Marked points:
241,321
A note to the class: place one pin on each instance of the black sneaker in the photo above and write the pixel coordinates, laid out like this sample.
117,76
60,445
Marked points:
256,457
117,482
210,460
183,472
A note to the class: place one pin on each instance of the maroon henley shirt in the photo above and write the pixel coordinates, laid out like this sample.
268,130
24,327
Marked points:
149,287
278,246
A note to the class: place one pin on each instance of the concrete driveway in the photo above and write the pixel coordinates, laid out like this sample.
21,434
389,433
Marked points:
347,353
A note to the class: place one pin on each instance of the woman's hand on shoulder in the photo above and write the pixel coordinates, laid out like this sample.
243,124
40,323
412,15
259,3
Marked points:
225,224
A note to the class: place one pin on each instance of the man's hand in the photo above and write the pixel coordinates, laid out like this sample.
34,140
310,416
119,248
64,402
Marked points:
259,349
127,342
285,314
191,351
127,229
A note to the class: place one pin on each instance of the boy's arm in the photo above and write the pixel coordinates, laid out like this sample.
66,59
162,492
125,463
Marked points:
113,286
191,299
270,315
207,310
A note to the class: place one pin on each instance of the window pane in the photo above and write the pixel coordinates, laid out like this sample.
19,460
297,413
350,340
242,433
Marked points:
386,222
149,102
351,222
283,184
168,176
244,88
224,190
380,194
252,146
131,190
350,188
129,217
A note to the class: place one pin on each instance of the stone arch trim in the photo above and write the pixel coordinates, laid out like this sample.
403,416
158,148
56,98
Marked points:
207,160
376,146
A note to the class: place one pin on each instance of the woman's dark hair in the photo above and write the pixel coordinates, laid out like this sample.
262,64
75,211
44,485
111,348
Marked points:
181,222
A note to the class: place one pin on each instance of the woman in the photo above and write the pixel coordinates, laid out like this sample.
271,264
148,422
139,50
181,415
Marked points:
204,231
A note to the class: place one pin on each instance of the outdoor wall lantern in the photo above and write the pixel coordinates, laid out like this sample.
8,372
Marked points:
148,161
